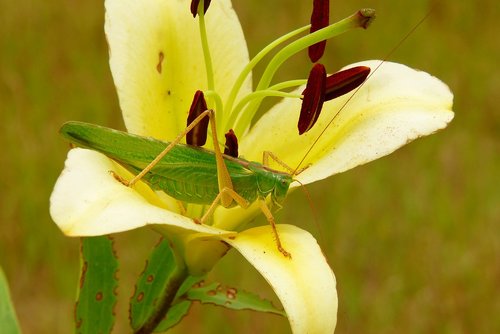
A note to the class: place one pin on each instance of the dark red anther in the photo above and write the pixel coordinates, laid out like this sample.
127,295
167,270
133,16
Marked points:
231,145
314,96
343,82
195,4
198,135
320,18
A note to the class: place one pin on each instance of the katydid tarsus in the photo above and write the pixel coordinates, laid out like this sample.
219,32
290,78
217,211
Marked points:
192,174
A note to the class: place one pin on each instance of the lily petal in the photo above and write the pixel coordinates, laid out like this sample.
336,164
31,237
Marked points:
87,201
157,61
396,105
305,284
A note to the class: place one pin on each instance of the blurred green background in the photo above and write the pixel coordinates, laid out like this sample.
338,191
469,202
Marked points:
413,238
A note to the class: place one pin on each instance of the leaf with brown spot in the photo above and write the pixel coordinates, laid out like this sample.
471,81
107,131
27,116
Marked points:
231,298
94,311
151,285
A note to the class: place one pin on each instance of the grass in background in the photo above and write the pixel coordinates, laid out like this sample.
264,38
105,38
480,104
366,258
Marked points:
413,238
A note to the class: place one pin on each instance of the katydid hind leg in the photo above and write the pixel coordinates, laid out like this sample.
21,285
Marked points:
223,176
172,144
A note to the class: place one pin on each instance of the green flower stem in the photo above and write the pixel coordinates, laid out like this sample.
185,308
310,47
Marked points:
255,60
261,94
206,50
288,84
219,108
177,278
359,19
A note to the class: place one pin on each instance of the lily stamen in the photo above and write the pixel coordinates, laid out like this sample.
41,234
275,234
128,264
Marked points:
361,18
320,18
195,4
345,81
198,135
231,145
257,95
314,96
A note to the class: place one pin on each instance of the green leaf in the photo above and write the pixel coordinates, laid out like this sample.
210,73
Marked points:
174,315
8,320
151,286
180,306
98,283
231,298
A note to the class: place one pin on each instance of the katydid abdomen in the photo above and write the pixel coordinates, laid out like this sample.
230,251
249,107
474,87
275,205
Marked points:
187,173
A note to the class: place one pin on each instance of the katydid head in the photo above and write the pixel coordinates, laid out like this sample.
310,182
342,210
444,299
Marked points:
282,183
271,182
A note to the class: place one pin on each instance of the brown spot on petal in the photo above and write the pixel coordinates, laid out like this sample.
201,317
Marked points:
231,145
320,18
343,82
198,135
314,96
161,56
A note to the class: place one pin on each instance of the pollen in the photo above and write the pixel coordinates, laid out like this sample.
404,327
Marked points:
343,82
196,3
231,145
314,96
320,18
198,135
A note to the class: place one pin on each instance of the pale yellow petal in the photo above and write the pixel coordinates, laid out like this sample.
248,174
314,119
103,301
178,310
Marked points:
87,201
201,253
231,219
157,61
395,106
305,284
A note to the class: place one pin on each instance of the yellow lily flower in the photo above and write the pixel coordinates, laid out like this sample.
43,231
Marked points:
158,62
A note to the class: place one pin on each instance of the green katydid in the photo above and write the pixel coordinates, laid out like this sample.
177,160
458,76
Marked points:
187,173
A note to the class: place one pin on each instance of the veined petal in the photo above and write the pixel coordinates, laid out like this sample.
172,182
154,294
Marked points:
396,105
87,201
305,284
157,60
